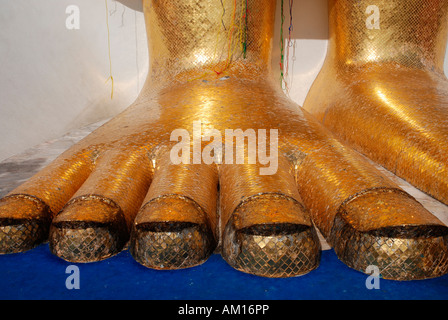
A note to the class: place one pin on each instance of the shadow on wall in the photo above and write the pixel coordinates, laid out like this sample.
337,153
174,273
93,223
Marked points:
309,35
136,5
310,18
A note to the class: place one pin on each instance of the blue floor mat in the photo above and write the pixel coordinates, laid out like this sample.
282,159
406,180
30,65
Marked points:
37,274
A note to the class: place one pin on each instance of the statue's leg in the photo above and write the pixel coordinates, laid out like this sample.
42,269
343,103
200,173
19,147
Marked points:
383,90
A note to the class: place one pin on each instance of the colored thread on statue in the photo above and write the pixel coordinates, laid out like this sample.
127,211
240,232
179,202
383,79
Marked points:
241,29
288,46
282,57
291,2
240,34
244,42
218,36
110,59
223,14
231,30
229,45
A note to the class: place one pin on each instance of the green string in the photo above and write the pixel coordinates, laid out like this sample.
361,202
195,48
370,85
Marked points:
245,33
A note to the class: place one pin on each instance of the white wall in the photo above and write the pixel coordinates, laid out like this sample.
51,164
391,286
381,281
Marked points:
53,79
309,35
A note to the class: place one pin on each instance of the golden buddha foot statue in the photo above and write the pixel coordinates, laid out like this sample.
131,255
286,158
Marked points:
173,176
382,90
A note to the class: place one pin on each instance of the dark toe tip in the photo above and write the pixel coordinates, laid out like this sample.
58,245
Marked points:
171,245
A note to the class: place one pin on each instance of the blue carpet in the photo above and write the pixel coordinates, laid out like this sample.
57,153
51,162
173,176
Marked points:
37,274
